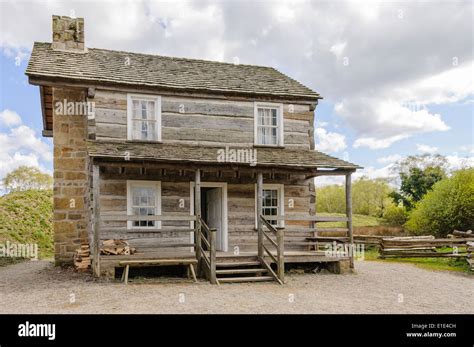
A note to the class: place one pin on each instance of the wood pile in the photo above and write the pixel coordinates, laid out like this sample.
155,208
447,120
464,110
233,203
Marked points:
116,247
422,247
82,259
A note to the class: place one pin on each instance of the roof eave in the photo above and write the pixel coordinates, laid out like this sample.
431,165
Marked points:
40,79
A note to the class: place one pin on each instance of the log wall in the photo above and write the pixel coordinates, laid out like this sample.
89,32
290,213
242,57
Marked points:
200,121
176,188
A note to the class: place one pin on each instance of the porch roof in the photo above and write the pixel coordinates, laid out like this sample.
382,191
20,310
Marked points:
193,154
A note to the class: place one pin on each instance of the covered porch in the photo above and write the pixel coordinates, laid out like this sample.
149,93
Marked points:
295,234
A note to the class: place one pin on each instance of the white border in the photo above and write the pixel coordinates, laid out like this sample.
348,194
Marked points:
281,201
223,186
256,105
153,184
157,100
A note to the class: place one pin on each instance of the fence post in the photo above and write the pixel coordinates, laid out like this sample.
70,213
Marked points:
212,255
259,212
281,253
349,218
96,204
197,213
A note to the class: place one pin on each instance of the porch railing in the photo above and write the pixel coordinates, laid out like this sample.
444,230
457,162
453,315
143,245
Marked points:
208,256
142,233
279,245
317,239
204,243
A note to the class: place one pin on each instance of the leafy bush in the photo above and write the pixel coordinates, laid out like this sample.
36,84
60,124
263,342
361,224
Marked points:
395,216
26,217
450,205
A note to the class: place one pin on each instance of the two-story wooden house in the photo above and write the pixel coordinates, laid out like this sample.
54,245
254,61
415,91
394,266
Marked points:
190,161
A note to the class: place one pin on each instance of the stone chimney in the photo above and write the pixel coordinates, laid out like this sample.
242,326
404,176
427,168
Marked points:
68,34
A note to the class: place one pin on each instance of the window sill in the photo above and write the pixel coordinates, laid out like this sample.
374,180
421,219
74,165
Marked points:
144,141
268,146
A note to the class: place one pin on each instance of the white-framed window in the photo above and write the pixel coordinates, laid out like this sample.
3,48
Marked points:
268,124
272,202
144,199
143,117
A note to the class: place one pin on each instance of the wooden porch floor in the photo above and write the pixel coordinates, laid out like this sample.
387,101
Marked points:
290,256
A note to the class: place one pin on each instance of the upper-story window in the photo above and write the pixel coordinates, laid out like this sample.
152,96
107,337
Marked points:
268,124
144,117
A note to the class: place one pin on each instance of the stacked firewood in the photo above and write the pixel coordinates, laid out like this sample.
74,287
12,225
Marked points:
82,260
116,247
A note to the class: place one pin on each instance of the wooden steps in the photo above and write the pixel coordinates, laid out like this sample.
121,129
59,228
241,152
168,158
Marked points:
238,264
246,279
242,271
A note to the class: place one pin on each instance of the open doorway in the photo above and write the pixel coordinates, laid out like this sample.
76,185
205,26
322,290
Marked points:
214,210
211,209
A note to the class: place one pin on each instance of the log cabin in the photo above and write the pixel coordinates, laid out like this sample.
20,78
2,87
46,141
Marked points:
191,162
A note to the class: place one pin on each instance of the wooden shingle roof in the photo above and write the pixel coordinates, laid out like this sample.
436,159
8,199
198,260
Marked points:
176,74
179,153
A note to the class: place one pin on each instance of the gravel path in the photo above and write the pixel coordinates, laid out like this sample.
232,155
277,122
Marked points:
38,287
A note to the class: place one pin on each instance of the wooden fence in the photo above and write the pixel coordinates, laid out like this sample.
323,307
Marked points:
427,247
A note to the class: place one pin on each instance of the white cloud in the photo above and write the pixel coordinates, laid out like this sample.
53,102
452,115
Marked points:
390,159
321,124
385,172
284,12
426,148
376,143
23,138
338,48
456,162
322,181
381,123
452,85
384,93
9,118
468,148
20,146
329,141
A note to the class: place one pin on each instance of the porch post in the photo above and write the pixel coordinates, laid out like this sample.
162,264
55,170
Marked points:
197,212
96,213
349,217
259,212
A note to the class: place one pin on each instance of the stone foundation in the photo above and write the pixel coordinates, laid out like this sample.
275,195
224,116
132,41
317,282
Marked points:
340,267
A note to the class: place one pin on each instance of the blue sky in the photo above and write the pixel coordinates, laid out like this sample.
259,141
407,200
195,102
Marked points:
396,77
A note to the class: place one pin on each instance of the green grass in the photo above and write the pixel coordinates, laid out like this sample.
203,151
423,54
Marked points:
358,220
439,264
26,217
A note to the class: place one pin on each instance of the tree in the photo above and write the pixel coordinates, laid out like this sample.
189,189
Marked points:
418,174
26,178
331,199
448,206
369,197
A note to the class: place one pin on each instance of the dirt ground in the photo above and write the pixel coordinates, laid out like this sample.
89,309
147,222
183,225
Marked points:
376,287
